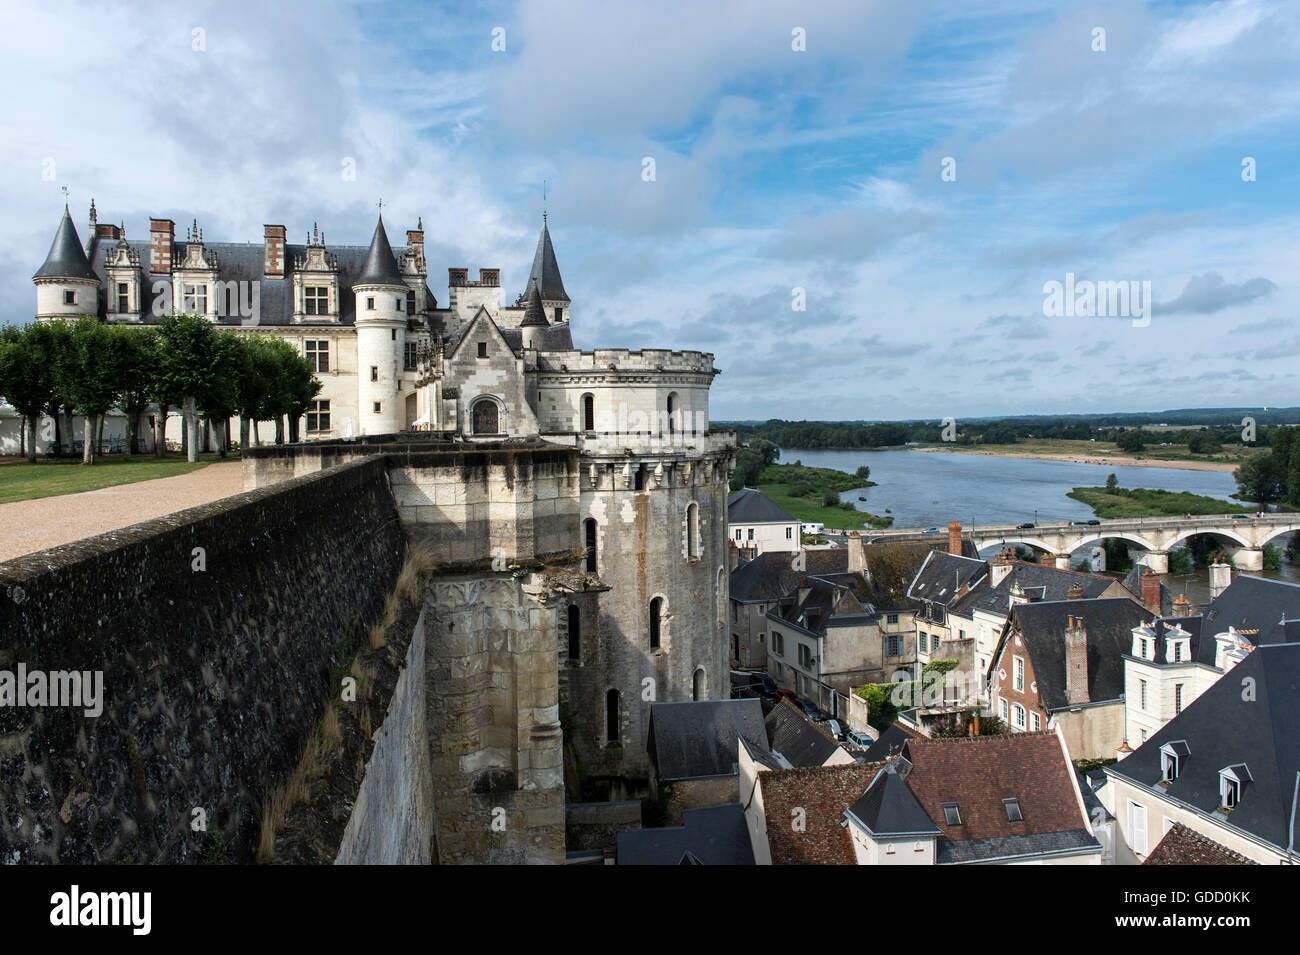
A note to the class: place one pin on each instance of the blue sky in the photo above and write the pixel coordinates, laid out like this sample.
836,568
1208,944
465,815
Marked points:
775,169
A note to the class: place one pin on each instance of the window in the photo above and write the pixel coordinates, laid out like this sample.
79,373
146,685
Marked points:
370,303
611,716
398,303
751,533
894,646
318,416
575,631
1178,651
1137,828
69,297
1144,736
805,656
482,349
789,533
1142,694
1018,716
123,297
196,299
379,407
588,413
589,532
693,531
410,354
778,643
392,334
656,619
1019,669
559,313
1168,764
1143,645
485,417
1229,790
951,815
672,407
698,685
1002,708
638,479
318,354
1012,806
1035,722
316,300
374,372
1178,698
739,534
891,619
961,634
410,302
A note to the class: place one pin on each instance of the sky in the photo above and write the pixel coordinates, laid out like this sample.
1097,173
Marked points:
857,207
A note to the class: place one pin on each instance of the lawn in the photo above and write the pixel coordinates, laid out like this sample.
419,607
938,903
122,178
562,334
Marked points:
799,490
1144,502
23,481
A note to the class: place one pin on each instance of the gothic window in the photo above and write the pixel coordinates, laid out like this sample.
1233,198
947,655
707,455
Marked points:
316,299
656,621
611,716
589,528
575,632
588,413
486,417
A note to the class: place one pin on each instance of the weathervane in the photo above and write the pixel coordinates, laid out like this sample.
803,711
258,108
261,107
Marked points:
543,200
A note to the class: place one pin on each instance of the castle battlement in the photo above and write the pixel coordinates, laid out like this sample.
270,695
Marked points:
623,359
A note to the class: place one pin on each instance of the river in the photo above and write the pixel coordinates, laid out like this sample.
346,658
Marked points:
924,489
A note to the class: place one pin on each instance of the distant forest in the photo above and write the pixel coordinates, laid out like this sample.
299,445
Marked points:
1205,428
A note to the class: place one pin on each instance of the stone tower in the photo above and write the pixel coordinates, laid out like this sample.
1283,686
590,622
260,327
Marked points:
66,286
381,338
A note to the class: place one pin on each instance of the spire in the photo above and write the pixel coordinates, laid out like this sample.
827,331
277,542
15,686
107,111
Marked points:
534,313
380,267
546,271
67,259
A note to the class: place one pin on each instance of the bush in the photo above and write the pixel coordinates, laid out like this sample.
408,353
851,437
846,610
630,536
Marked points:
830,499
1129,441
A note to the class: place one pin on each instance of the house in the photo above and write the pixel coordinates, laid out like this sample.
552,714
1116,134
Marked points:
1061,663
802,743
712,835
1227,767
1174,659
755,586
692,747
1011,799
758,525
942,581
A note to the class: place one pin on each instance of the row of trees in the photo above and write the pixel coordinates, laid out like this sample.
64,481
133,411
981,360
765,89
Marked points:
86,367
1274,477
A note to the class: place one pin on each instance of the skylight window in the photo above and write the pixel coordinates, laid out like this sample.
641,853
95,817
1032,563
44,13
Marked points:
1012,806
951,816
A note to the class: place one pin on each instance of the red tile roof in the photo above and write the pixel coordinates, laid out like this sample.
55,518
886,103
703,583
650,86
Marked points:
823,793
1183,846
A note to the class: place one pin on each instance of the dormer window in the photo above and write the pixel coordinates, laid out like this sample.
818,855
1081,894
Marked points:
1231,781
1172,756
1012,806
196,299
951,816
123,297
1142,648
316,299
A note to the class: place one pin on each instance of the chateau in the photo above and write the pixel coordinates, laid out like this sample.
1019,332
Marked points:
648,506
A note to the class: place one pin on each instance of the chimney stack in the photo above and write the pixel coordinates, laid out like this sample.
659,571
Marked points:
1075,592
415,244
954,538
857,553
457,278
1076,662
1182,606
489,277
1150,591
733,555
1220,578
162,240
273,251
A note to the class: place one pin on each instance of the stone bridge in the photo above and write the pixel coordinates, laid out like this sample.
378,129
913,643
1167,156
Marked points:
1243,536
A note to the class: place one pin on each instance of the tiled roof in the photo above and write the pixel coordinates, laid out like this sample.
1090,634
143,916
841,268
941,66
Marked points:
889,744
1183,846
888,807
790,733
1049,583
714,835
699,738
822,793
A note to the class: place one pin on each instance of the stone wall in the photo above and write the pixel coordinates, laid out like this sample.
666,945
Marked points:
591,826
214,670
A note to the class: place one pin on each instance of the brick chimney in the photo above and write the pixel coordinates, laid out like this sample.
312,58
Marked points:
106,230
415,243
1075,592
733,555
954,538
1182,606
489,277
1076,662
1150,591
457,278
162,242
857,553
273,251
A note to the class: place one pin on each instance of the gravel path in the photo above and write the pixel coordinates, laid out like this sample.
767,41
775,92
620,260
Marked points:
29,526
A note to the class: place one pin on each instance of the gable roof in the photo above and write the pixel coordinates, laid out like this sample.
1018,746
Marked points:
748,506
546,270
1225,726
943,575
977,774
1108,623
889,744
1183,846
790,733
66,259
699,738
888,807
714,835
822,793
1048,583
771,575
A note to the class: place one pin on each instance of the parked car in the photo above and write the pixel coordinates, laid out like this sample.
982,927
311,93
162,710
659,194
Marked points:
860,740
810,711
930,530
834,728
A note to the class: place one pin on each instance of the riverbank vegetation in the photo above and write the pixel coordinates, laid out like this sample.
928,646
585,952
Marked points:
1114,501
810,494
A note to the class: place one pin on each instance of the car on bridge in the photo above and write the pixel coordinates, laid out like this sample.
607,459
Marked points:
1027,526
930,530
1092,523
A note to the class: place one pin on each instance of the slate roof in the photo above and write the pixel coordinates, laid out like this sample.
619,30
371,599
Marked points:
1222,729
714,835
1109,623
888,807
380,267
748,506
546,270
823,793
978,773
790,733
1132,582
771,575
943,575
698,738
67,259
1047,583
534,313
889,744
820,604
1252,604
1183,846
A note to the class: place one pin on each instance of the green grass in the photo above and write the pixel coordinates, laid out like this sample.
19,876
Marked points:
22,481
1143,502
811,511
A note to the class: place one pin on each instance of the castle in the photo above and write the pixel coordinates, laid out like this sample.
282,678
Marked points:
649,505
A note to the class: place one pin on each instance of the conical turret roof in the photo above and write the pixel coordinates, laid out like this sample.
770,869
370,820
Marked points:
546,271
534,313
67,260
381,266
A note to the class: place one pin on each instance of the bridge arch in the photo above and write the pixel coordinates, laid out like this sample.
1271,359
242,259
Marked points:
1278,533
1093,537
1223,536
1033,543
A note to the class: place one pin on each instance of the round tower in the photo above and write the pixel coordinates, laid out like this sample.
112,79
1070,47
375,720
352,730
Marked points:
381,338
66,286
534,324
